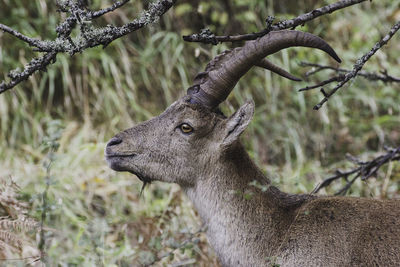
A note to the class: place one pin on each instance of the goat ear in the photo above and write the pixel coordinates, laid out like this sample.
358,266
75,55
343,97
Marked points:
237,123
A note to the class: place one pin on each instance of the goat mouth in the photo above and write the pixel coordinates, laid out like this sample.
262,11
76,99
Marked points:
118,162
114,161
108,156
115,164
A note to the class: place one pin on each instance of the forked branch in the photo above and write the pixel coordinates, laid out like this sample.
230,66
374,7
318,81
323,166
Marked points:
358,66
382,76
363,171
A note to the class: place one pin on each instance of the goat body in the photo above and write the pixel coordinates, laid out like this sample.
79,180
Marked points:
250,222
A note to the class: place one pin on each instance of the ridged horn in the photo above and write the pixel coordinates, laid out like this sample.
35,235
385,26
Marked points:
213,86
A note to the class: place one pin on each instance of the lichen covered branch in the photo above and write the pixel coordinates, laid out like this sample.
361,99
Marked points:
31,41
300,20
34,65
206,36
359,64
89,35
103,11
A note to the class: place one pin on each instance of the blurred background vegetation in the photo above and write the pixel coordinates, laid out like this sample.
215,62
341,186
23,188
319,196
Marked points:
96,217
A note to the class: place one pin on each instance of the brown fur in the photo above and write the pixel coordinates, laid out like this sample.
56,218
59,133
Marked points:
249,222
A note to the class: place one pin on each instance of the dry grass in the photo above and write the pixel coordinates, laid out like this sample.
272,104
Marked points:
17,229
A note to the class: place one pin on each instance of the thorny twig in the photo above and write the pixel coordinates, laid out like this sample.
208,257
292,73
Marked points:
89,35
383,76
206,36
364,170
359,64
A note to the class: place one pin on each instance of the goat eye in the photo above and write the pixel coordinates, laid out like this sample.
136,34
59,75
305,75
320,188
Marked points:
186,128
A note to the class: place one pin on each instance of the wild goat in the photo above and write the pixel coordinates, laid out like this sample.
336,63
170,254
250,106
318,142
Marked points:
194,145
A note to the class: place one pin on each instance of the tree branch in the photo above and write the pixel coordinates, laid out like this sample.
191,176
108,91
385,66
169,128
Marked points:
359,64
300,20
207,37
34,65
333,79
116,5
383,76
89,36
364,169
31,41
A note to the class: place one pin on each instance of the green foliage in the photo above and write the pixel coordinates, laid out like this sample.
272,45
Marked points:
96,216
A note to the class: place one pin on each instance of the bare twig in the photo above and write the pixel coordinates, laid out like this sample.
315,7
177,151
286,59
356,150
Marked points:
319,67
116,5
383,76
89,36
206,36
359,64
333,79
364,169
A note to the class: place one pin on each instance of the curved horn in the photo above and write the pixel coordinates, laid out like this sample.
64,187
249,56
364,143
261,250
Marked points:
221,75
268,65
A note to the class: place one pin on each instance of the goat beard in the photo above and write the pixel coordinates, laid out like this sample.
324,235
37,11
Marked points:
146,181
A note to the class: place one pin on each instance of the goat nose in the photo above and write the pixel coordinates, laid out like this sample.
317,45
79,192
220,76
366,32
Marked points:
114,141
